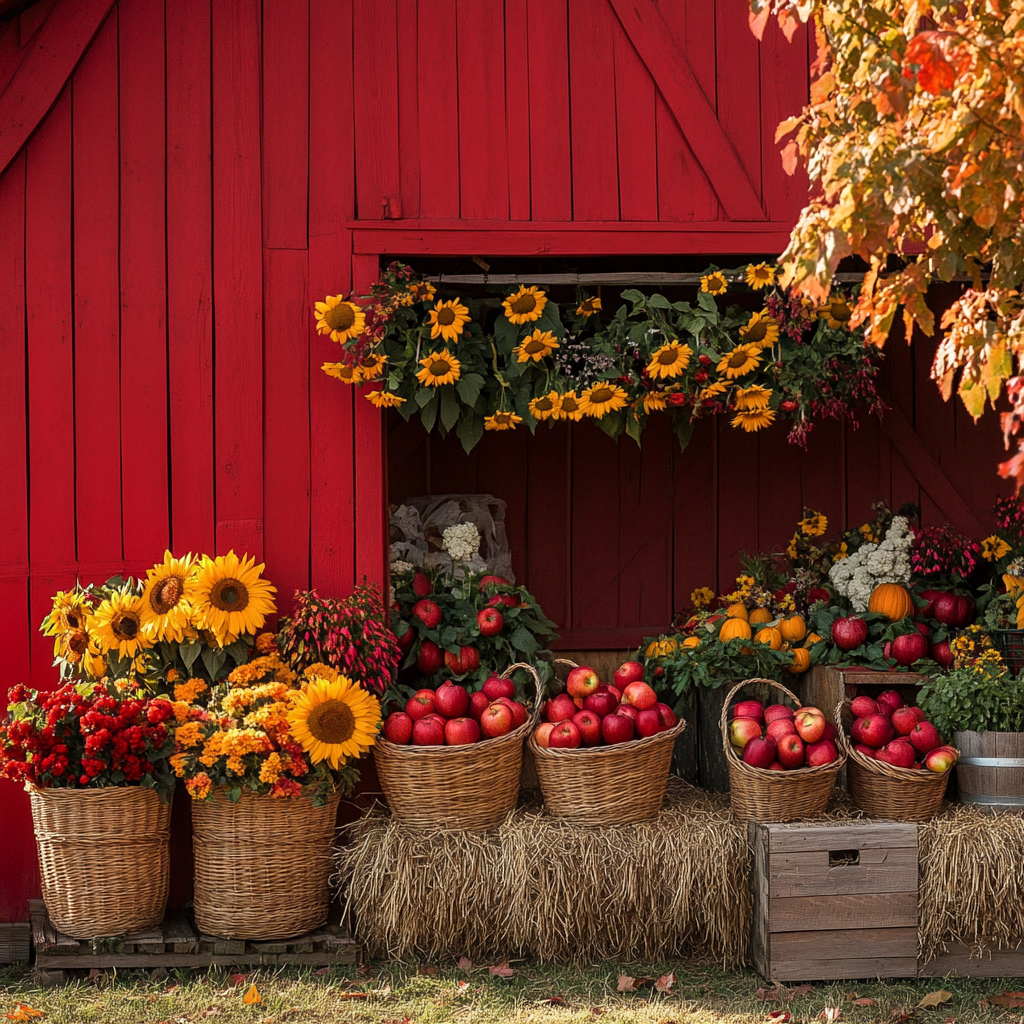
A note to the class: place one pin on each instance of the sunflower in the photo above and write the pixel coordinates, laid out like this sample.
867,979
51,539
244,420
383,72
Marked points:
231,598
814,525
71,611
761,329
760,275
384,399
339,318
343,372
588,307
753,399
740,361
536,346
117,625
669,361
440,367
602,399
525,305
753,419
334,720
447,319
993,548
371,366
793,549
569,407
713,390
655,401
422,291
715,283
546,406
502,421
167,599
837,313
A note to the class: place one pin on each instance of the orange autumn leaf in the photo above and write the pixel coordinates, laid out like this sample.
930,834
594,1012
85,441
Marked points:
252,996
22,1011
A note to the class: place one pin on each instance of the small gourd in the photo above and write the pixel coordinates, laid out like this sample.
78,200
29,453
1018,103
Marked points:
812,639
734,629
892,601
759,616
737,611
770,636
801,661
690,642
793,628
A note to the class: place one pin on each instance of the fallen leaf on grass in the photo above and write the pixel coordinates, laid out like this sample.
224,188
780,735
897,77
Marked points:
428,969
463,987
899,1015
934,999
830,1014
465,964
552,1001
864,1002
22,1011
665,983
779,1016
626,983
800,990
1008,999
502,971
321,972
211,1011
237,979
252,996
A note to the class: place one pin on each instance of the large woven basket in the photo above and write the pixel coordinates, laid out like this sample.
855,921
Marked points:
262,865
471,787
613,785
103,857
757,794
884,791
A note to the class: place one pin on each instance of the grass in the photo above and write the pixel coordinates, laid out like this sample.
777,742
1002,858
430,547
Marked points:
535,994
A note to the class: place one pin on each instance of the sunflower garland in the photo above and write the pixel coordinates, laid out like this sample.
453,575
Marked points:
447,319
588,307
525,305
167,599
546,406
338,318
761,329
439,368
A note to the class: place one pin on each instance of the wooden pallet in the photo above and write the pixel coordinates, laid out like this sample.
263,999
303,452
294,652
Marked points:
176,943
15,942
1004,963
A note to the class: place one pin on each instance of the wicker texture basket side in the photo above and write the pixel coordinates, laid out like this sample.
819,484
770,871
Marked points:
757,794
884,791
262,865
104,858
614,785
470,787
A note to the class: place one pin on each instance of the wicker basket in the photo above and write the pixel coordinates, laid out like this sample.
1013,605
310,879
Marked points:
103,856
614,785
471,787
757,794
262,865
884,791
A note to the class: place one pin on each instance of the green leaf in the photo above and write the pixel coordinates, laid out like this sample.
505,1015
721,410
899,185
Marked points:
634,296
213,659
683,429
659,302
470,430
706,301
424,396
522,640
505,332
189,653
449,407
469,387
429,415
634,427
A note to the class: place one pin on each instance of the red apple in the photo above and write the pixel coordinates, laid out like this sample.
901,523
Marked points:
928,611
617,728
743,730
430,659
428,612
543,734
421,585
830,732
477,702
467,660
953,610
749,709
776,711
849,633
615,692
519,713
565,735
791,751
628,672
582,682
460,731
589,725
903,721
398,728
899,753
922,628
648,722
873,731
640,695
925,737
810,724
496,687
427,733
759,753
499,581
865,750
489,621
560,708
668,716
506,600
906,649
630,710
600,703
822,752
496,720
420,705
779,728
942,653
407,639
919,714
864,706
452,701
776,767
941,759
888,702
435,717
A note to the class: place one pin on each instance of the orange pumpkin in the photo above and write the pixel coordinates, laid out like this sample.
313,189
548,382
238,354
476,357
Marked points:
759,615
812,639
770,636
801,661
892,601
737,611
690,641
734,629
793,628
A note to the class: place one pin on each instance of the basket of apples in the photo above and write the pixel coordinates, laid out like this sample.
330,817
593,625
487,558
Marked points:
454,758
897,765
603,751
783,761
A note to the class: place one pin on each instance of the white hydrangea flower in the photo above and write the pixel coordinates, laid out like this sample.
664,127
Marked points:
461,541
400,567
871,564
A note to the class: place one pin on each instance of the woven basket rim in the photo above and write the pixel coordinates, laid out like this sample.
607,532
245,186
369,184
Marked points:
789,776
60,791
607,751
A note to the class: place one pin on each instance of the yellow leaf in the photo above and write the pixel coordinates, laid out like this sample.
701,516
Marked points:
252,996
941,996
786,127
22,1011
822,87
974,402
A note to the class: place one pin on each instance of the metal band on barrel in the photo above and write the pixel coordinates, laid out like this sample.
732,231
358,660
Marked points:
993,762
979,798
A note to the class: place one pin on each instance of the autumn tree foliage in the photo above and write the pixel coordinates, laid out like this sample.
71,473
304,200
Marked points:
914,143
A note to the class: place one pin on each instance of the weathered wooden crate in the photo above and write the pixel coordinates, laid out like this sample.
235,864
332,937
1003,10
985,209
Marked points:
15,942
1000,963
176,943
826,685
834,901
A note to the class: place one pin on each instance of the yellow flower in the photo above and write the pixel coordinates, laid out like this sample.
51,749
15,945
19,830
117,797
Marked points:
814,525
740,361
715,283
588,307
178,764
837,313
546,406
189,690
343,372
266,643
70,611
712,390
167,599
232,597
525,305
702,597
753,399
760,275
569,407
188,735
271,769
669,361
536,346
602,399
993,548
867,531
334,720
117,625
319,670
338,318
792,551
384,399
655,401
372,366
840,553
440,367
502,421
753,419
447,319
199,786
761,329
422,291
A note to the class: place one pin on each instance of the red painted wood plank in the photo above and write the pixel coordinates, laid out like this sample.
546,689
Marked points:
518,136
41,77
820,473
695,514
409,109
438,108
286,46
483,152
779,501
504,472
331,206
144,447
868,478
739,499
595,175
899,380
190,275
549,510
550,163
237,276
375,61
97,300
636,132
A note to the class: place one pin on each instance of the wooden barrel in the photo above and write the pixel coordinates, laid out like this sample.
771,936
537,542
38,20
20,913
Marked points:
990,772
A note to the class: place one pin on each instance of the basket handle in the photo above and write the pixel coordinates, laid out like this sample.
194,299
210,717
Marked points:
844,741
723,721
537,684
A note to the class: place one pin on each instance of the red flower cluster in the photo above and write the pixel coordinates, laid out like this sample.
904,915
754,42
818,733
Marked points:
944,553
81,735
1009,513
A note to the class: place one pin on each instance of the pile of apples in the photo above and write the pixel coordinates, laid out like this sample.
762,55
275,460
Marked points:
591,713
885,729
452,716
780,739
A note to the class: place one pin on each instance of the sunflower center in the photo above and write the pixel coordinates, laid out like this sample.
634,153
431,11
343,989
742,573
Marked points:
439,368
332,722
667,357
524,304
71,620
569,404
737,359
532,347
229,595
841,311
756,332
446,316
340,317
78,642
125,627
601,395
544,405
166,594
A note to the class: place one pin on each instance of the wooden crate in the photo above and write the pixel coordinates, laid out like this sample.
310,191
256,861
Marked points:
834,901
826,685
1000,963
15,942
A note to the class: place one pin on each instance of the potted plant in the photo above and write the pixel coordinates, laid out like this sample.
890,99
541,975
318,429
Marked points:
1001,605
